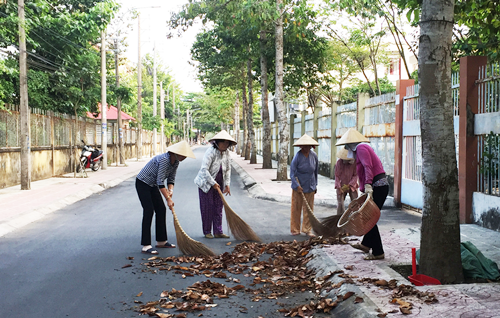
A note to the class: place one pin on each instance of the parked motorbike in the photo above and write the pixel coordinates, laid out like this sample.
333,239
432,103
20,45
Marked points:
90,158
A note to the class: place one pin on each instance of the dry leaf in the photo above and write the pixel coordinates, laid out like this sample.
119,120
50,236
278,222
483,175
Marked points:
358,300
347,295
127,265
405,310
139,294
228,243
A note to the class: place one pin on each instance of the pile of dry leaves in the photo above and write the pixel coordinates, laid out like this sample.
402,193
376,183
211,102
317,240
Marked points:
284,271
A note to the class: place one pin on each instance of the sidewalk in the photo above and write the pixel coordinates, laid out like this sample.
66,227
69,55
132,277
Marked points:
20,207
463,300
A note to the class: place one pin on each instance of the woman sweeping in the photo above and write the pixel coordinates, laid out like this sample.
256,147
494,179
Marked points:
346,180
150,182
214,174
304,166
373,181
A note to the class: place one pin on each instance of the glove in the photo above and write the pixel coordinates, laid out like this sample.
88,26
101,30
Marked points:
345,188
369,190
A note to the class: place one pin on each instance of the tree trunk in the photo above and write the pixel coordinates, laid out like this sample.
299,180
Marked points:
267,162
251,131
245,150
237,122
440,234
282,172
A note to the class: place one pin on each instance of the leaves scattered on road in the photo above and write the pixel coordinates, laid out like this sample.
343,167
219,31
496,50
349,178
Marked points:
283,271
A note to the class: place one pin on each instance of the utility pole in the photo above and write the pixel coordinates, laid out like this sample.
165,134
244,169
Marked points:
154,99
24,109
119,107
162,115
188,135
104,106
139,87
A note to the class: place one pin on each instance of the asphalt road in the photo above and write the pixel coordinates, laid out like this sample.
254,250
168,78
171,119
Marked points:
71,263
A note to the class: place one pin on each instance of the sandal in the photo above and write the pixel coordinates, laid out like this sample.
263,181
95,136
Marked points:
295,233
222,235
150,251
311,234
209,236
361,247
371,257
166,245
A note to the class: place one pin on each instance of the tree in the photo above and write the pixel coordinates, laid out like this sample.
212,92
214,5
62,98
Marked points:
440,234
340,70
476,28
282,172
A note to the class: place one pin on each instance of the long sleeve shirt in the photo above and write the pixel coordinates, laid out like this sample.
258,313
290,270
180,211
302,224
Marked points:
306,170
345,173
210,165
368,165
157,170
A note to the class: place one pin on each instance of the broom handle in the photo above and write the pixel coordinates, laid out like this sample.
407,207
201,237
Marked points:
304,197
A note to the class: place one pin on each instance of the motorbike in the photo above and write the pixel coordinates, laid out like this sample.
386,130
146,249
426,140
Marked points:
90,158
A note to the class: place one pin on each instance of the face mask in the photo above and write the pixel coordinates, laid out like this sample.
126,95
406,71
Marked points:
350,154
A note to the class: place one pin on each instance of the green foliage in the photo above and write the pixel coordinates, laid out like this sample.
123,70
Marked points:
477,26
351,93
63,63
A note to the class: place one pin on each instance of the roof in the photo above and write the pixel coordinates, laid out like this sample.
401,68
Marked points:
111,114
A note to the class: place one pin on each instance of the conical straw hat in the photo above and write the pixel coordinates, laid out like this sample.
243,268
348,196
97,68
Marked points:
305,140
342,154
351,136
182,148
223,135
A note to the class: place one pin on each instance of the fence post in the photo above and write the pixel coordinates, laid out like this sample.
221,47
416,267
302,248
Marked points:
468,156
333,140
303,123
52,142
360,114
317,110
401,86
291,128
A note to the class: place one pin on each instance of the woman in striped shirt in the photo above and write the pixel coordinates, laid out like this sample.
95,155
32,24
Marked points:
214,174
150,182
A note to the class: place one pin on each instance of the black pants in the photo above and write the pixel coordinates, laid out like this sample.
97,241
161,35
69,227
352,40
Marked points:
151,202
372,238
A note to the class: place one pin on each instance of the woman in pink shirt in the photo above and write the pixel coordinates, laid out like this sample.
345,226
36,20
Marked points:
372,180
346,180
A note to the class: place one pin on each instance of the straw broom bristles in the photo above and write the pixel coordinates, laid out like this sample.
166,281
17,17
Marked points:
186,244
317,226
240,229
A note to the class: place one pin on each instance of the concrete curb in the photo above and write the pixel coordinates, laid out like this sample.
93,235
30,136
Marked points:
256,191
347,308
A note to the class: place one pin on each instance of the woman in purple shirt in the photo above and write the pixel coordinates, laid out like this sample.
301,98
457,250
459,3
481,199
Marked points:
372,180
304,167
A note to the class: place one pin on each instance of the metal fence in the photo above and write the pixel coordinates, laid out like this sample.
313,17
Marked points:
324,135
412,144
380,109
488,171
46,126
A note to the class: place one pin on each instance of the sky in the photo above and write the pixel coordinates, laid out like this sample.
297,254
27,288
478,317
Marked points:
174,52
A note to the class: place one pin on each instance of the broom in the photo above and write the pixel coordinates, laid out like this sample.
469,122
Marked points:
240,229
318,227
186,244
